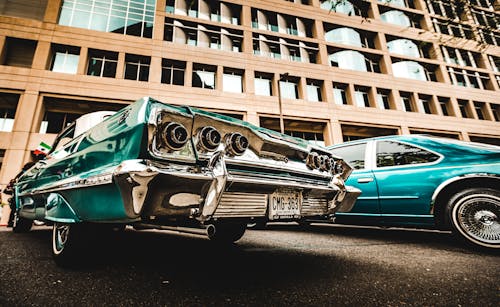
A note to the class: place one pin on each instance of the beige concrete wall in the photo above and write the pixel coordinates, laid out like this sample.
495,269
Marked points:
36,82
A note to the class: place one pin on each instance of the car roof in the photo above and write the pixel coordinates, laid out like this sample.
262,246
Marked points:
431,142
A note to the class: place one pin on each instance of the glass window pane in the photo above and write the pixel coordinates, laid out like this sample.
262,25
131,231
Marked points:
232,83
353,154
262,87
394,154
288,90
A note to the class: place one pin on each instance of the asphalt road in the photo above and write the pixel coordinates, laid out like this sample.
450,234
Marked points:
323,266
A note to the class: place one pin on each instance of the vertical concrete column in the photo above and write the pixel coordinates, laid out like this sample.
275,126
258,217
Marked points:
253,118
464,136
336,132
314,3
82,61
327,92
248,82
493,82
158,27
319,34
372,97
155,70
188,75
489,112
415,103
350,94
246,22
219,83
52,11
303,89
327,134
3,50
405,129
471,108
395,100
436,106
41,59
385,61
454,107
120,66
374,12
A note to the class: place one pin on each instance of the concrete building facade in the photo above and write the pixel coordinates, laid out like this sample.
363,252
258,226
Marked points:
333,70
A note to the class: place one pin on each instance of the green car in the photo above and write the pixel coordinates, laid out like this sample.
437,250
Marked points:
426,182
154,165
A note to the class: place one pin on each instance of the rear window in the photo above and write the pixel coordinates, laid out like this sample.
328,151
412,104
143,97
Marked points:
352,154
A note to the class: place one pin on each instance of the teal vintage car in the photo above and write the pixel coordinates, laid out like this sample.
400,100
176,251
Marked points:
427,182
155,165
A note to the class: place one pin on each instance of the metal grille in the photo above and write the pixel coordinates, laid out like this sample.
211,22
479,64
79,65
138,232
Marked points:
314,206
234,204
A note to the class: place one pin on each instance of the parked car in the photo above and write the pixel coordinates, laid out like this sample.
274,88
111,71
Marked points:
154,165
428,182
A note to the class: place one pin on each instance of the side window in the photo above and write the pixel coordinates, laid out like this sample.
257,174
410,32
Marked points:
394,154
352,154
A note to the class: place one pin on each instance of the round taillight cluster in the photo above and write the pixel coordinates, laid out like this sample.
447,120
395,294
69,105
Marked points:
236,143
321,162
208,139
174,135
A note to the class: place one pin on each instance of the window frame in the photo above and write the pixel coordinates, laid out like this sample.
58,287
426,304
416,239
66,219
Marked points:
373,155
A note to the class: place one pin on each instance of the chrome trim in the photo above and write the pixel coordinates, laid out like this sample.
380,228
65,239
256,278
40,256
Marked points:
73,183
218,167
458,178
287,182
312,206
236,204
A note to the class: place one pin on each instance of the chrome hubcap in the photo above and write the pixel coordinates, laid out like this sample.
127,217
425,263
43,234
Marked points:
60,237
478,215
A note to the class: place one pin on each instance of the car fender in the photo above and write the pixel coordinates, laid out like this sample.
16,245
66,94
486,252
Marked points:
459,178
57,209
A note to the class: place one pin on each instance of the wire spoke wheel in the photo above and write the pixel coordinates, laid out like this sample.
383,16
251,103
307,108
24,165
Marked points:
476,217
60,236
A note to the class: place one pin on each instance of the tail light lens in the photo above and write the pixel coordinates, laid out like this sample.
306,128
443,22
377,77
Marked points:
236,144
208,139
174,135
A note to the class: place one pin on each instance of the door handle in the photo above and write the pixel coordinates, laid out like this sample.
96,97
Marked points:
365,180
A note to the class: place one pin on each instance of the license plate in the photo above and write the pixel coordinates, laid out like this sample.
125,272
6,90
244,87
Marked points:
285,205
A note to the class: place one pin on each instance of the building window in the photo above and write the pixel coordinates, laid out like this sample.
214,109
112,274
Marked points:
361,96
407,102
339,93
425,104
452,28
18,52
495,63
396,18
495,108
286,49
349,36
65,59
289,89
444,103
383,101
137,67
263,84
343,7
465,110
468,78
363,131
208,36
232,80
204,76
172,72
486,19
55,122
2,156
481,110
410,70
102,63
314,90
443,8
404,47
307,130
131,17
460,57
8,106
281,23
489,37
348,59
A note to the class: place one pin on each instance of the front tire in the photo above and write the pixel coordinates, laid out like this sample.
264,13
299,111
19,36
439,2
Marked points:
21,224
68,241
474,215
226,233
